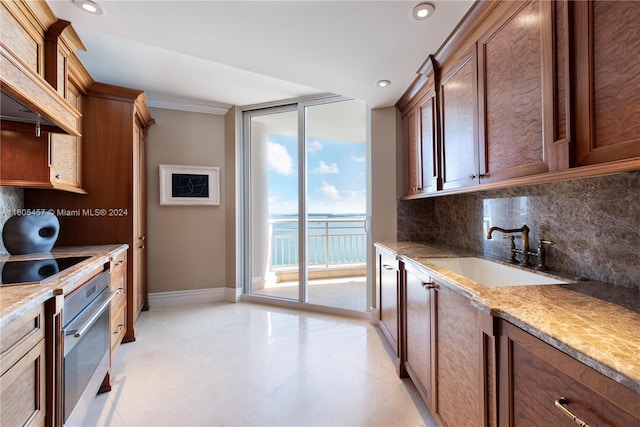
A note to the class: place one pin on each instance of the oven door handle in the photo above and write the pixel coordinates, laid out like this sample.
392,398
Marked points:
78,332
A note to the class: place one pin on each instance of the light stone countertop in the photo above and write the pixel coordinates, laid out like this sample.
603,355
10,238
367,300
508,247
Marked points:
594,322
15,300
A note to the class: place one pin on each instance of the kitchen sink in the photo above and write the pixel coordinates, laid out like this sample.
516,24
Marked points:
490,273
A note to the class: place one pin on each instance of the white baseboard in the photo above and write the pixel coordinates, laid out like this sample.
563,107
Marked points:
233,294
195,296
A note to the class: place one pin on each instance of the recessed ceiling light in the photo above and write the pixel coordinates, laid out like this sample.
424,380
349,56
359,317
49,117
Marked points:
383,83
423,11
89,6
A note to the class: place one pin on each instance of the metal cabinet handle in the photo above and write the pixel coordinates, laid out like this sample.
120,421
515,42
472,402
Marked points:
118,330
387,267
428,285
560,405
480,175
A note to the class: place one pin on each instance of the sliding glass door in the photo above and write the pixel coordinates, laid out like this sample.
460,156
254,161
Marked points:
305,205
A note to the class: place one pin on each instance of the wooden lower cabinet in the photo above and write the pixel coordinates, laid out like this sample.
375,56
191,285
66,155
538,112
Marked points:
118,304
419,330
464,374
22,372
117,310
473,369
388,284
534,375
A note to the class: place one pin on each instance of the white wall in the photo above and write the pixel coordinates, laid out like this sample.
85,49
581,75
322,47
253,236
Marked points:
386,172
386,182
186,244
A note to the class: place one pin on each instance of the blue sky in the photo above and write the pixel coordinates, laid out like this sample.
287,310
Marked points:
336,180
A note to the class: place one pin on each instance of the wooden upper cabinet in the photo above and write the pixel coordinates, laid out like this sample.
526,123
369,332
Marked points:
66,151
527,92
516,78
607,59
22,69
421,143
459,123
412,152
429,143
21,36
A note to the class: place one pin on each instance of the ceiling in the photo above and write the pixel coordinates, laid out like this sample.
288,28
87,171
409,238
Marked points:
208,55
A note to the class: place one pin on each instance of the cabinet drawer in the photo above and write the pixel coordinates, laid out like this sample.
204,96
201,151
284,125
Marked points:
20,336
534,376
118,283
118,323
118,266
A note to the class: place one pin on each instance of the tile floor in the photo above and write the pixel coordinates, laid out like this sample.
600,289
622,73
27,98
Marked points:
246,364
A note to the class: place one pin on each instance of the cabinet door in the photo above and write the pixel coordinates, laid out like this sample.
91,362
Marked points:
412,153
139,225
459,124
607,45
428,144
420,150
419,330
459,401
66,150
389,290
534,375
515,63
22,370
22,390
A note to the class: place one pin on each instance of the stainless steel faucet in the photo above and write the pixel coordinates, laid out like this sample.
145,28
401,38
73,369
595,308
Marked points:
525,242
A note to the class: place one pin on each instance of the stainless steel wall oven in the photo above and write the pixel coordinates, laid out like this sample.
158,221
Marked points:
85,319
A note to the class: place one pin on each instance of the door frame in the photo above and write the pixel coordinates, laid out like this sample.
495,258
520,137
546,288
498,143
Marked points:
244,207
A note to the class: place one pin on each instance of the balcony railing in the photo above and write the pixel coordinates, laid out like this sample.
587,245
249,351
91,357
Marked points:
330,242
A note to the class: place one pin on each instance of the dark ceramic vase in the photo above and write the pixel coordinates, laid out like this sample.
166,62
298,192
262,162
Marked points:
31,233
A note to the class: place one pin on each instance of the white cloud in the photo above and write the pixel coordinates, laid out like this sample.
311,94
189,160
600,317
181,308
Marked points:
324,168
314,147
330,191
359,159
279,159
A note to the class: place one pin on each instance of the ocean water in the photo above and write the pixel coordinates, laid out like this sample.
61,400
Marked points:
332,239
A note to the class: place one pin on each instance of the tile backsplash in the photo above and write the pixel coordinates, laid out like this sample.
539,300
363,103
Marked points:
11,199
594,222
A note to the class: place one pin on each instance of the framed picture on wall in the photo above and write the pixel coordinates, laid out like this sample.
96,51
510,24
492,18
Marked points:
189,185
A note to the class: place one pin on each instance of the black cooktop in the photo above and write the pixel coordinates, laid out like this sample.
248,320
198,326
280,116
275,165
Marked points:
29,271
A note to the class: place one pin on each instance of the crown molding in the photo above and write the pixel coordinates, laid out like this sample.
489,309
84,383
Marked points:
194,106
